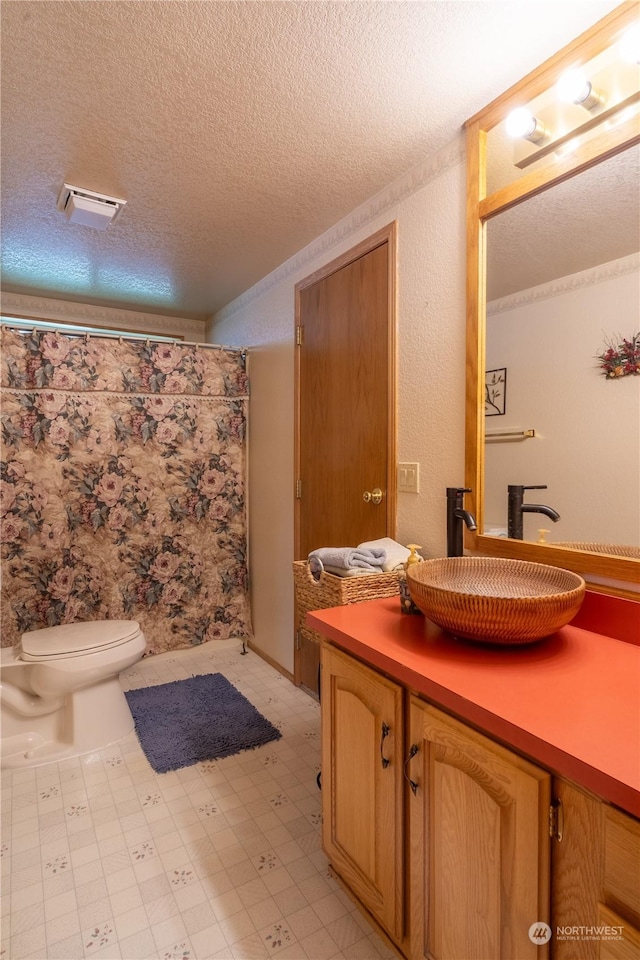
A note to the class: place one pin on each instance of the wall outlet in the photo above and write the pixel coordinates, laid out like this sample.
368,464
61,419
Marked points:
408,478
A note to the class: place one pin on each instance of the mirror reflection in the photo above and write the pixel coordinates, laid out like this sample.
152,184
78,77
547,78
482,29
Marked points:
563,286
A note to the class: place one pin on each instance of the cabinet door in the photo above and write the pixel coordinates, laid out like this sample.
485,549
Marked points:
362,783
595,879
479,844
577,866
621,886
619,939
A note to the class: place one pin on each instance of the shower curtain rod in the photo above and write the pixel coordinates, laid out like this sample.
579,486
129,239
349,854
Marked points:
125,336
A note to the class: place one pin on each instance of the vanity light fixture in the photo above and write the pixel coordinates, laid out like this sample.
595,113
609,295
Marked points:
595,93
521,124
573,87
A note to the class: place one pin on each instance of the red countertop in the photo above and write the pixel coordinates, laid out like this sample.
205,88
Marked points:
570,702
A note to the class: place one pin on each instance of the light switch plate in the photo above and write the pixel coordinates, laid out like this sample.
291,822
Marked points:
408,478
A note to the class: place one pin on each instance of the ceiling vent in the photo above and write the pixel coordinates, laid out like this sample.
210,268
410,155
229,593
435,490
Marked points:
88,208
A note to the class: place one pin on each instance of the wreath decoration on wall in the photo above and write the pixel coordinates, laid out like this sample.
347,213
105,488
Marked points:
621,357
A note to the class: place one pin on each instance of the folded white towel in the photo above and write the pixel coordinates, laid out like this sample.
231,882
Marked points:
396,553
317,568
347,557
352,572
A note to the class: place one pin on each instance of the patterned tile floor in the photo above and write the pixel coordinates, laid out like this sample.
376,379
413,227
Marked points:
102,857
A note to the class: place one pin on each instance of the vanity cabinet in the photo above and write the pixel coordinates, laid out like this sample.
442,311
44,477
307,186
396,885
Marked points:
470,862
478,855
513,798
445,836
362,794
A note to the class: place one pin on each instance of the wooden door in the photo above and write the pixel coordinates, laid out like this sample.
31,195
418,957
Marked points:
362,826
345,433
478,841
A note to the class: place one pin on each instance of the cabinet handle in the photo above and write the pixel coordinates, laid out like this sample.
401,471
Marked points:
413,749
556,820
386,730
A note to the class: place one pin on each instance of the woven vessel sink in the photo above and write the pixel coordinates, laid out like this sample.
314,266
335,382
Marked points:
495,600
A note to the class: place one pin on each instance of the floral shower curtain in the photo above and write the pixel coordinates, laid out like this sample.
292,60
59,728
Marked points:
123,487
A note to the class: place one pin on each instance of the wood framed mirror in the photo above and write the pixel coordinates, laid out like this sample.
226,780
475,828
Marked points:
519,190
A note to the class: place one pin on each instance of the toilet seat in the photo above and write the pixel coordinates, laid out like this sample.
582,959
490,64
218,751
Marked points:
76,639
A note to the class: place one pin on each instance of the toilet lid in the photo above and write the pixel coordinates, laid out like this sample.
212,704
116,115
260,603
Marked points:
74,639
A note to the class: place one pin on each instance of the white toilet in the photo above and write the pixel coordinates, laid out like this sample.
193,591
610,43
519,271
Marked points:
60,692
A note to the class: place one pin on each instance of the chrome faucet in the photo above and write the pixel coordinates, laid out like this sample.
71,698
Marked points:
456,516
516,509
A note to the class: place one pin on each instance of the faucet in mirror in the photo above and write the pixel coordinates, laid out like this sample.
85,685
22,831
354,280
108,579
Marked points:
517,509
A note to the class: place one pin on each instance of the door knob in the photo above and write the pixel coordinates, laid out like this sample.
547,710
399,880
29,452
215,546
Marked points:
373,496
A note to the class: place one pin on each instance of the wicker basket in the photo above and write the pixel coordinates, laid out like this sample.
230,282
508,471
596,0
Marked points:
332,591
496,600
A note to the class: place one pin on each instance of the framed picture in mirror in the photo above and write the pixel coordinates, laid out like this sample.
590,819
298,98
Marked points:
495,392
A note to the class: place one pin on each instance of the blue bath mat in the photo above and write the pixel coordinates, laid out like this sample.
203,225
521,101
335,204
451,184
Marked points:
202,718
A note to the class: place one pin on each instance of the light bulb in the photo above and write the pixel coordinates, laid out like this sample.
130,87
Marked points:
521,123
630,44
573,87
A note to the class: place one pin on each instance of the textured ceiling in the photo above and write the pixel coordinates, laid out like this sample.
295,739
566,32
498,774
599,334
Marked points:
577,225
237,131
